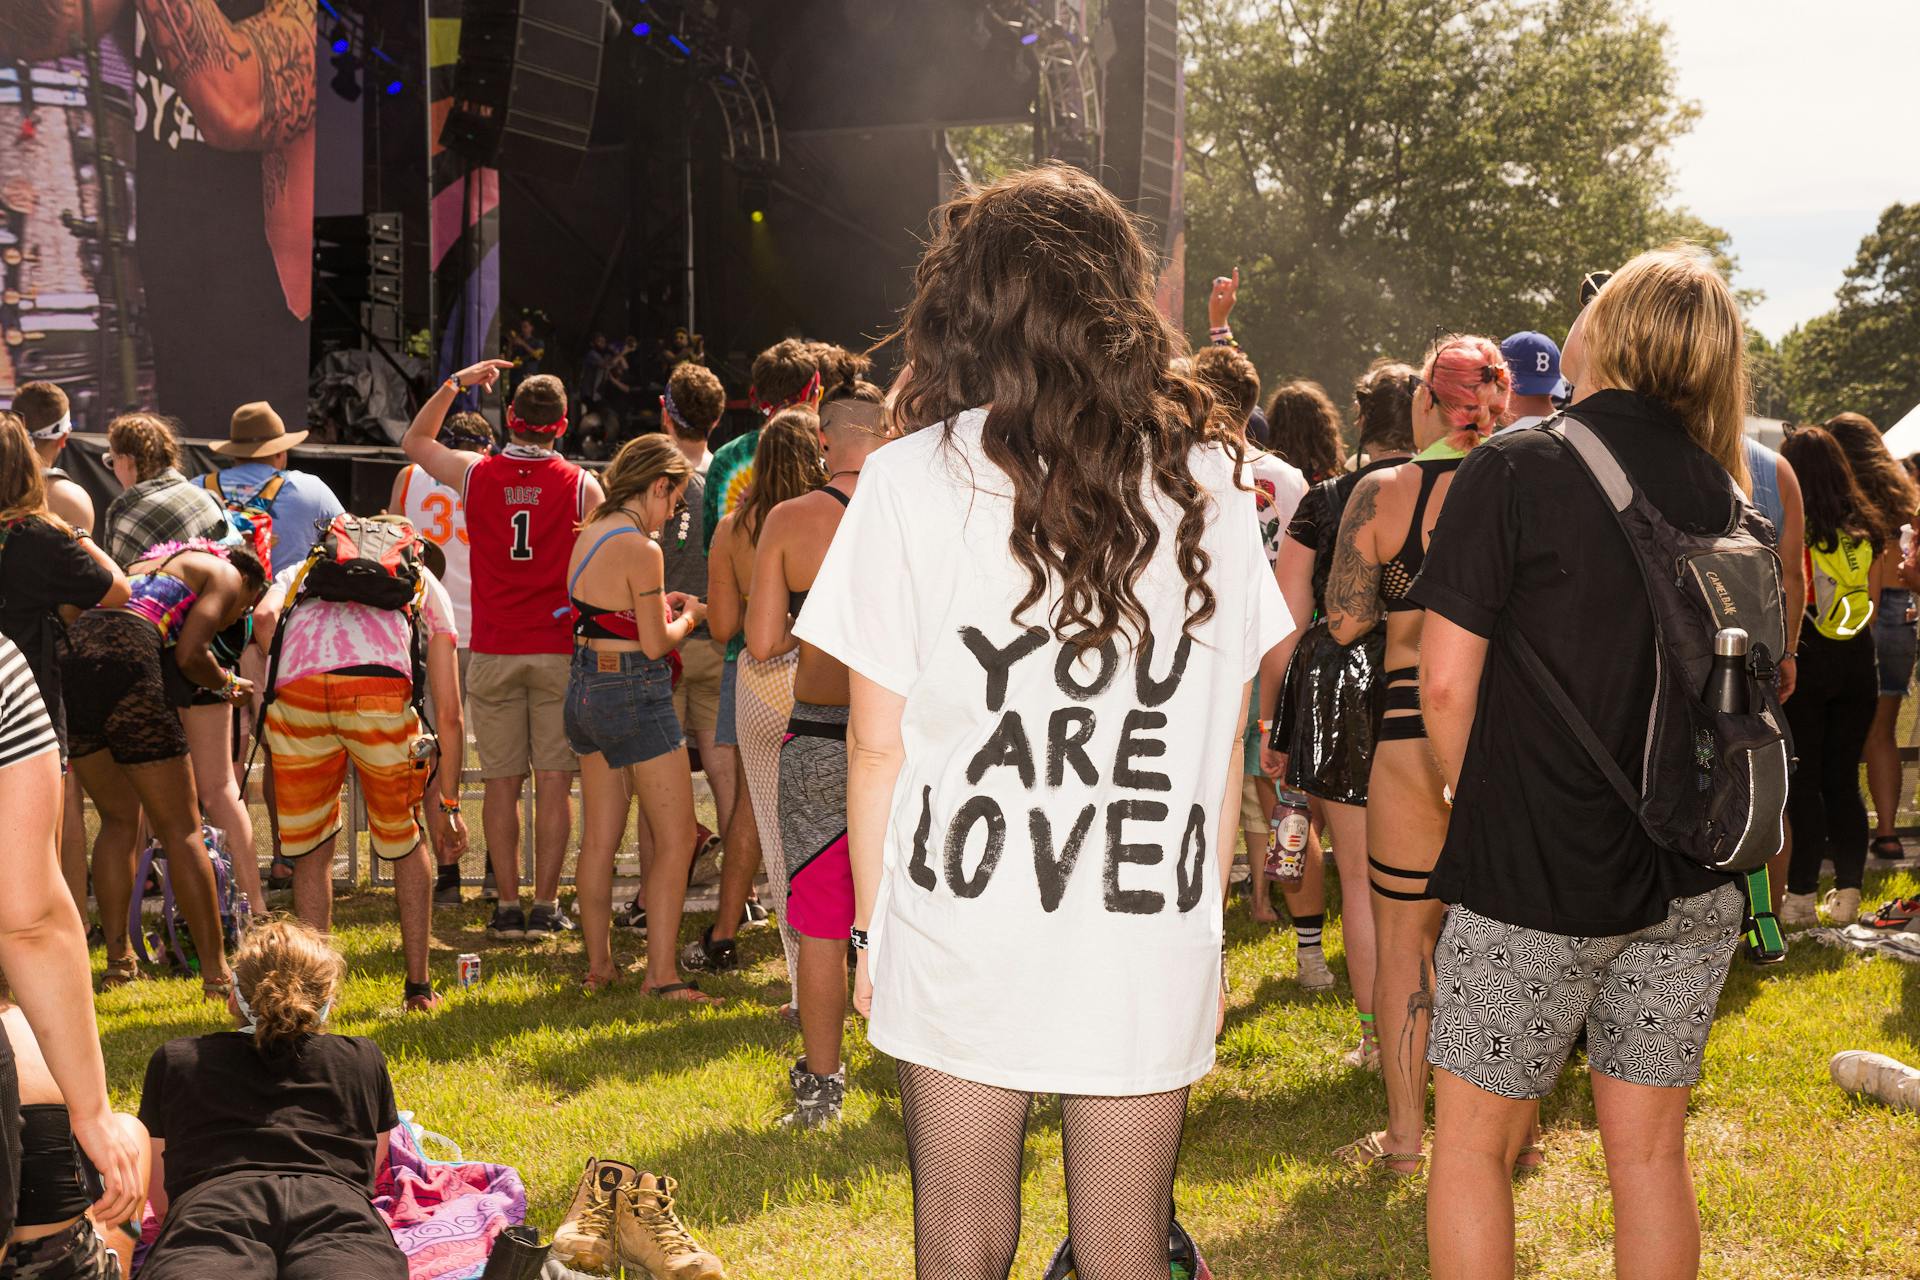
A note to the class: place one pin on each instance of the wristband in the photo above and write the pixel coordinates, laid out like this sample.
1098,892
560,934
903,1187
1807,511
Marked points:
227,685
449,806
453,383
857,938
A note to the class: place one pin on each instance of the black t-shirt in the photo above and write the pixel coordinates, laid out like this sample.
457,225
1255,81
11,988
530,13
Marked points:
683,546
222,1106
1538,838
1316,521
42,568
215,312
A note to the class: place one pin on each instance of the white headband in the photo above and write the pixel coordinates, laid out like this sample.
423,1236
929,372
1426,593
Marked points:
53,431
246,1010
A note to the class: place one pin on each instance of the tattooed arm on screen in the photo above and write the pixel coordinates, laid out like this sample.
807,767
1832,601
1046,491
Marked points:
1353,584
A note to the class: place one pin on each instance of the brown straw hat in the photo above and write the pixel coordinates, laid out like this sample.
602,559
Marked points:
257,430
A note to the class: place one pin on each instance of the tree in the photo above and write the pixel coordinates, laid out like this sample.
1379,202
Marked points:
1864,355
1382,169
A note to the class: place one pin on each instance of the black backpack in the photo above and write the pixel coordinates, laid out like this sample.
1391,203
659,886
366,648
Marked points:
1713,786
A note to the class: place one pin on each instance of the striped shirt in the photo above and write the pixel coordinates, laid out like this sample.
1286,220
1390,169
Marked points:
25,730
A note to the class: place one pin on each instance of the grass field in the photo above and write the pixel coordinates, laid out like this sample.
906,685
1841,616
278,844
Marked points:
1796,1179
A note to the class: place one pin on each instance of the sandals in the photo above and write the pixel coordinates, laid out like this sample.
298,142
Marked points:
591,984
216,988
684,992
1521,1169
1367,1154
1888,848
120,973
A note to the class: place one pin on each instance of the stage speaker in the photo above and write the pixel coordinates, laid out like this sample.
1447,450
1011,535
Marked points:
1141,120
524,87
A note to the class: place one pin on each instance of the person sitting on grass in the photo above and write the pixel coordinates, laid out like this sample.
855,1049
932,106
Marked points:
57,1232
266,1139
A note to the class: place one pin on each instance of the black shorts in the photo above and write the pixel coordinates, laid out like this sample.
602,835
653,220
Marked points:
116,696
9,1136
258,1226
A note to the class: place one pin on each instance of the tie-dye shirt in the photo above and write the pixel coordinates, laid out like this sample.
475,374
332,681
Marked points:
330,635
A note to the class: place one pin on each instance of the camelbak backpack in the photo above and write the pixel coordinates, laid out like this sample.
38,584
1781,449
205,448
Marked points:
250,514
1713,786
1842,595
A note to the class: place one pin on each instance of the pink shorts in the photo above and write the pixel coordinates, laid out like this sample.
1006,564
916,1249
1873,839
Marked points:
813,822
820,894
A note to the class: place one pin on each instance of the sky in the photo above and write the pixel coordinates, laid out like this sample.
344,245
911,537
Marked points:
1808,129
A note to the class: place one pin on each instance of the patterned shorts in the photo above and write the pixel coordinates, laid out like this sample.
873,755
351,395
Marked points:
315,725
78,1253
1510,1001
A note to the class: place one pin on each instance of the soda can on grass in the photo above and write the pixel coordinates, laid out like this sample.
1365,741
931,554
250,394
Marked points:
469,969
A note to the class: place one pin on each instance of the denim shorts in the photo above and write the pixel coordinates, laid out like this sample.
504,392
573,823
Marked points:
621,705
1893,642
725,732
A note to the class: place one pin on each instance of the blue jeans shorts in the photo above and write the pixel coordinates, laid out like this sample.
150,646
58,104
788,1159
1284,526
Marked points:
1893,642
621,705
725,732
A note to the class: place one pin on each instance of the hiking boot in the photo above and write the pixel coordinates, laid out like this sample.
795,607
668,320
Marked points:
1313,973
547,921
649,1233
1877,1076
632,916
706,955
488,891
1842,906
816,1099
584,1238
509,924
420,997
1893,915
1797,911
517,1254
755,916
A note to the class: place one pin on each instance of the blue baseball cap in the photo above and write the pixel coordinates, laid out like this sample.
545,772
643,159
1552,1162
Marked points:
1534,360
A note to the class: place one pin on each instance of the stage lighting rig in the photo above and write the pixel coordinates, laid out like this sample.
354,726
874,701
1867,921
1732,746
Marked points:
688,33
1066,108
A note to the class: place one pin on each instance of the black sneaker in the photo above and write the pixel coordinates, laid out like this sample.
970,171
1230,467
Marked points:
280,876
488,892
545,922
816,1099
632,917
509,924
755,916
707,955
446,889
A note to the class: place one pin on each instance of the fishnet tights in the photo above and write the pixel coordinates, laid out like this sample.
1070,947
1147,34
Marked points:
964,1142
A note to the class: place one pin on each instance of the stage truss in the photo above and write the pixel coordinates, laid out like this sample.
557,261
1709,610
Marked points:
1066,111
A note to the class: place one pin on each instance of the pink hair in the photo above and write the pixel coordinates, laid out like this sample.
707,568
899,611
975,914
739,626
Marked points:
1470,383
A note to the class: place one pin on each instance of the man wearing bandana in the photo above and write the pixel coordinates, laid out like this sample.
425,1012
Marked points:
523,505
43,407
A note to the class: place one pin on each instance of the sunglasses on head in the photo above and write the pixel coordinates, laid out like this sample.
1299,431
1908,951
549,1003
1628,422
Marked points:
1591,284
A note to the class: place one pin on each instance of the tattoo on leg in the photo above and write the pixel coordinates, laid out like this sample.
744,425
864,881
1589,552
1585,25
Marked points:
1413,1036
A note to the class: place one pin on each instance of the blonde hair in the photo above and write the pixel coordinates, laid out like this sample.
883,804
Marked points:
641,461
1667,326
288,973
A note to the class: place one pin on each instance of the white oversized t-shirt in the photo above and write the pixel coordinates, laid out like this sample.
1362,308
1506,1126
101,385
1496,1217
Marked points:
1277,487
1049,911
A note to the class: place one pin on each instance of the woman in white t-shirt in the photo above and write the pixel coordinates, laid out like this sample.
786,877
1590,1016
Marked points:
1051,612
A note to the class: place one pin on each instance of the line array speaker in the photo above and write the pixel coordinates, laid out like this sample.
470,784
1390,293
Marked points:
525,84
1142,107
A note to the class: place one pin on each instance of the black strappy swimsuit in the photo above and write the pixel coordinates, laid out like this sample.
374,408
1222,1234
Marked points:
1402,684
796,600
1397,576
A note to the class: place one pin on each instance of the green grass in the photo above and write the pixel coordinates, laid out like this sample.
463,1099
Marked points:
1795,1178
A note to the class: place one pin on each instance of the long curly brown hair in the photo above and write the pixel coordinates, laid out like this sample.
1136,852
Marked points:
1884,482
1036,297
1304,428
786,464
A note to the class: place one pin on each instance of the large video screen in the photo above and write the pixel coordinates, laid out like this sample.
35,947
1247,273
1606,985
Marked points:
156,204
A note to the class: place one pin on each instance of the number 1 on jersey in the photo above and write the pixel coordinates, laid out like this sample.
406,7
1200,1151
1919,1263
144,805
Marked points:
522,522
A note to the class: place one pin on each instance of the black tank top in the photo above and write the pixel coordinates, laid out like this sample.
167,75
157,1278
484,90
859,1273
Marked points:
52,1176
796,600
1398,574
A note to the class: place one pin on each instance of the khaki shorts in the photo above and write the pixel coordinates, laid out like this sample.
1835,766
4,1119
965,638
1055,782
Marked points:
516,703
696,699
1253,813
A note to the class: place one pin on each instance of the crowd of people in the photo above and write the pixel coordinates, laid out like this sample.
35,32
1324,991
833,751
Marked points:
992,672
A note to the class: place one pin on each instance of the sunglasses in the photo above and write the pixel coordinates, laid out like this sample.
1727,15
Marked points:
1591,284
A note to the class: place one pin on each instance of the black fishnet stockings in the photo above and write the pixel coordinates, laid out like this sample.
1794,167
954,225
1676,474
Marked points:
964,1142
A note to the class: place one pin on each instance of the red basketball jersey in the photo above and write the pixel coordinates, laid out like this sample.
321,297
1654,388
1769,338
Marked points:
522,514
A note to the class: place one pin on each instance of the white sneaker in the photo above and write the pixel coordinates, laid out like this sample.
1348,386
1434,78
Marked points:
1877,1076
1842,906
1314,974
1797,911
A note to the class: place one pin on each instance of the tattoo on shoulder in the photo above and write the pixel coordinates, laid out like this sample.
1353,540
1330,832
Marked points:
1353,582
192,37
